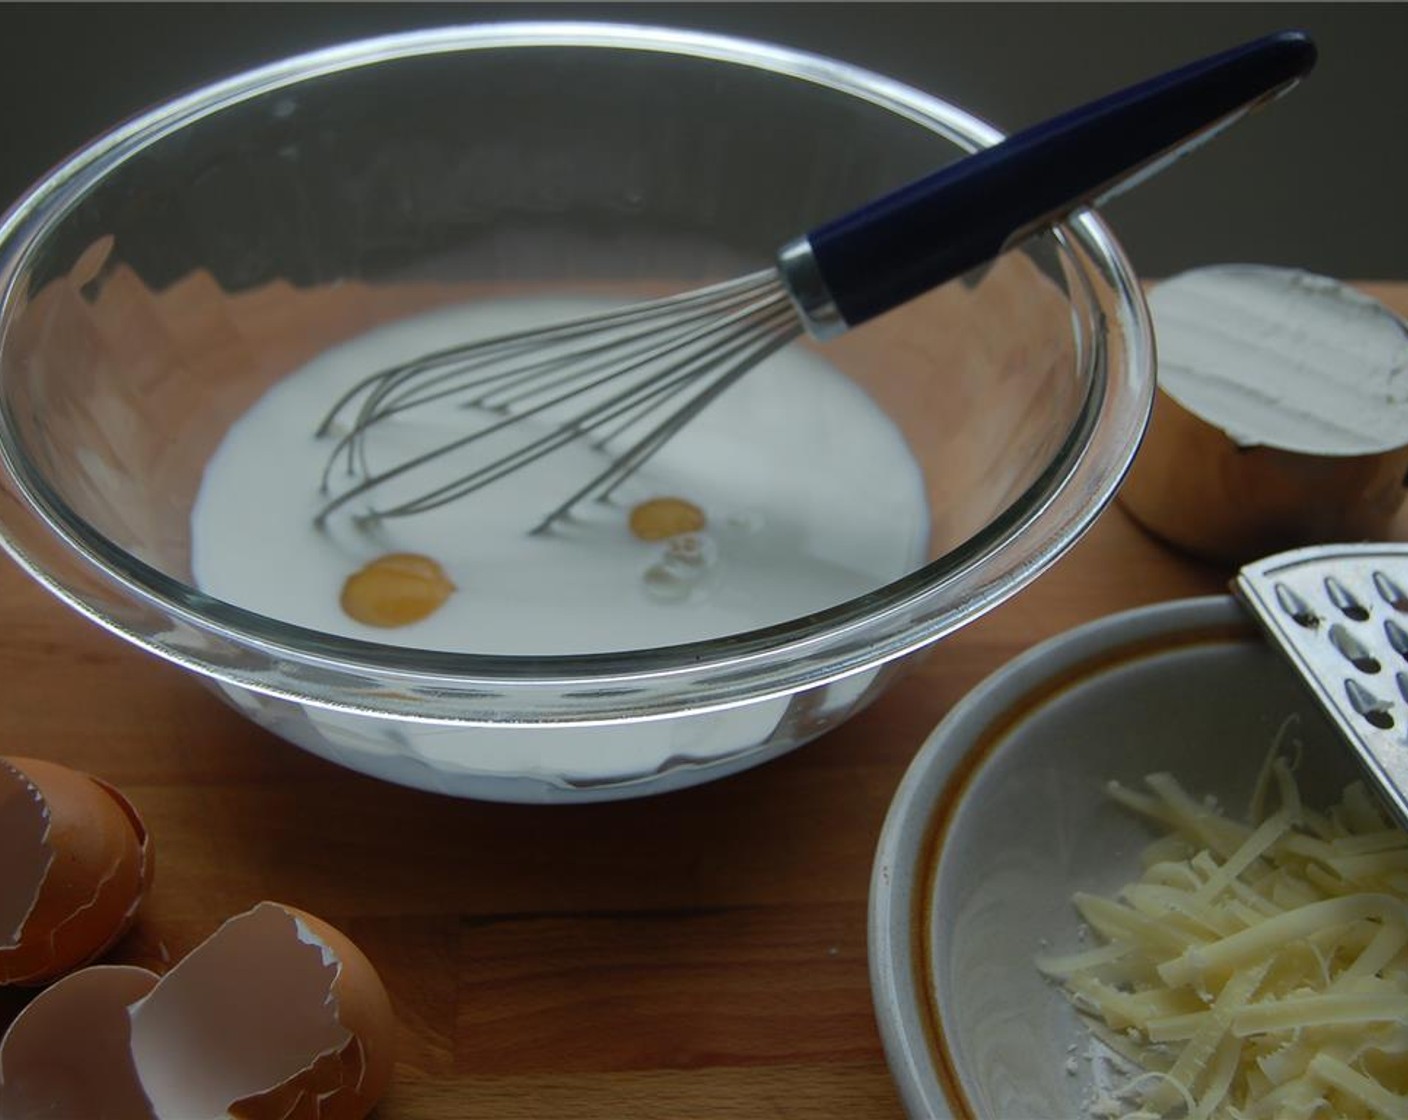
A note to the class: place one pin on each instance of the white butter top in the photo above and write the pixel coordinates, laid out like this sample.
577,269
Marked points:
1281,358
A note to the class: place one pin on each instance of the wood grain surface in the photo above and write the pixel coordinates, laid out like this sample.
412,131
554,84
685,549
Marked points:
700,954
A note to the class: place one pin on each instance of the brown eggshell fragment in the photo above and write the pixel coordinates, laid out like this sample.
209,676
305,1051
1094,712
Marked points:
68,1053
77,863
275,1016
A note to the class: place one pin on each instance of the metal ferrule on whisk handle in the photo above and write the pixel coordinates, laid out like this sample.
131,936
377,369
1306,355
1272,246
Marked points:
801,276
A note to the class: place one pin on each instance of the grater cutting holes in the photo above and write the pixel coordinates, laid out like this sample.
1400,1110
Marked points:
1340,615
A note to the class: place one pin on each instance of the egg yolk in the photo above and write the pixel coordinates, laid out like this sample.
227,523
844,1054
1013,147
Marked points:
661,518
395,590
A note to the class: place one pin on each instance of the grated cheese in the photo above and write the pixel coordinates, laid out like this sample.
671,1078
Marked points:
1253,972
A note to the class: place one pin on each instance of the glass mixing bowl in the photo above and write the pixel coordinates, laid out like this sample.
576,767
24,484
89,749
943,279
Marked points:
159,281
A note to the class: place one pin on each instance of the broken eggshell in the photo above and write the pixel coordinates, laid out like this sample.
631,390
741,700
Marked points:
77,864
69,1052
275,1016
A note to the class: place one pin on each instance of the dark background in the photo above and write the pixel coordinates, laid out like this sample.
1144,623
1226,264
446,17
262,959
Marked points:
1317,181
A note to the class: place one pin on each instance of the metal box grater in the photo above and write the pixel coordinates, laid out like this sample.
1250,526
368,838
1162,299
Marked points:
1340,614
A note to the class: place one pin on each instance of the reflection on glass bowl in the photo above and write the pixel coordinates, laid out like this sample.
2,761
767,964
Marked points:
161,281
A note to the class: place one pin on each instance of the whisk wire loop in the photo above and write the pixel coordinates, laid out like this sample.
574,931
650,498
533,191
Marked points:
740,363
658,350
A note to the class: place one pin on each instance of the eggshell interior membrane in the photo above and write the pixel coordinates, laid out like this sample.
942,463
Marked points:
24,822
348,1084
274,1015
71,895
68,1053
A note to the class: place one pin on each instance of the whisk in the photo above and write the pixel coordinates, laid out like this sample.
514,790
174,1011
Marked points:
629,379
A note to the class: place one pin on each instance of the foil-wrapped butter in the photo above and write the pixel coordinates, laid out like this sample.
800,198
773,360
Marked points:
1281,418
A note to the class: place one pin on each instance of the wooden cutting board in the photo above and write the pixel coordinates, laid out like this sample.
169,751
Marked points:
696,955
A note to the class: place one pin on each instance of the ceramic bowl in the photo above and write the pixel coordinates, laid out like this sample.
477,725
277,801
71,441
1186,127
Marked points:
1003,815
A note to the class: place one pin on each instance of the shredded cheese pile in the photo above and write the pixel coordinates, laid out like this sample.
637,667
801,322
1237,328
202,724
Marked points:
1253,971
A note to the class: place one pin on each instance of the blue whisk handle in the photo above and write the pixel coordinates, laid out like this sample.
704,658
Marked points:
967,213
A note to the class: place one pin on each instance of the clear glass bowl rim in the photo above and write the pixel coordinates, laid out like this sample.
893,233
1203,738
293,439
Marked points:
889,623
